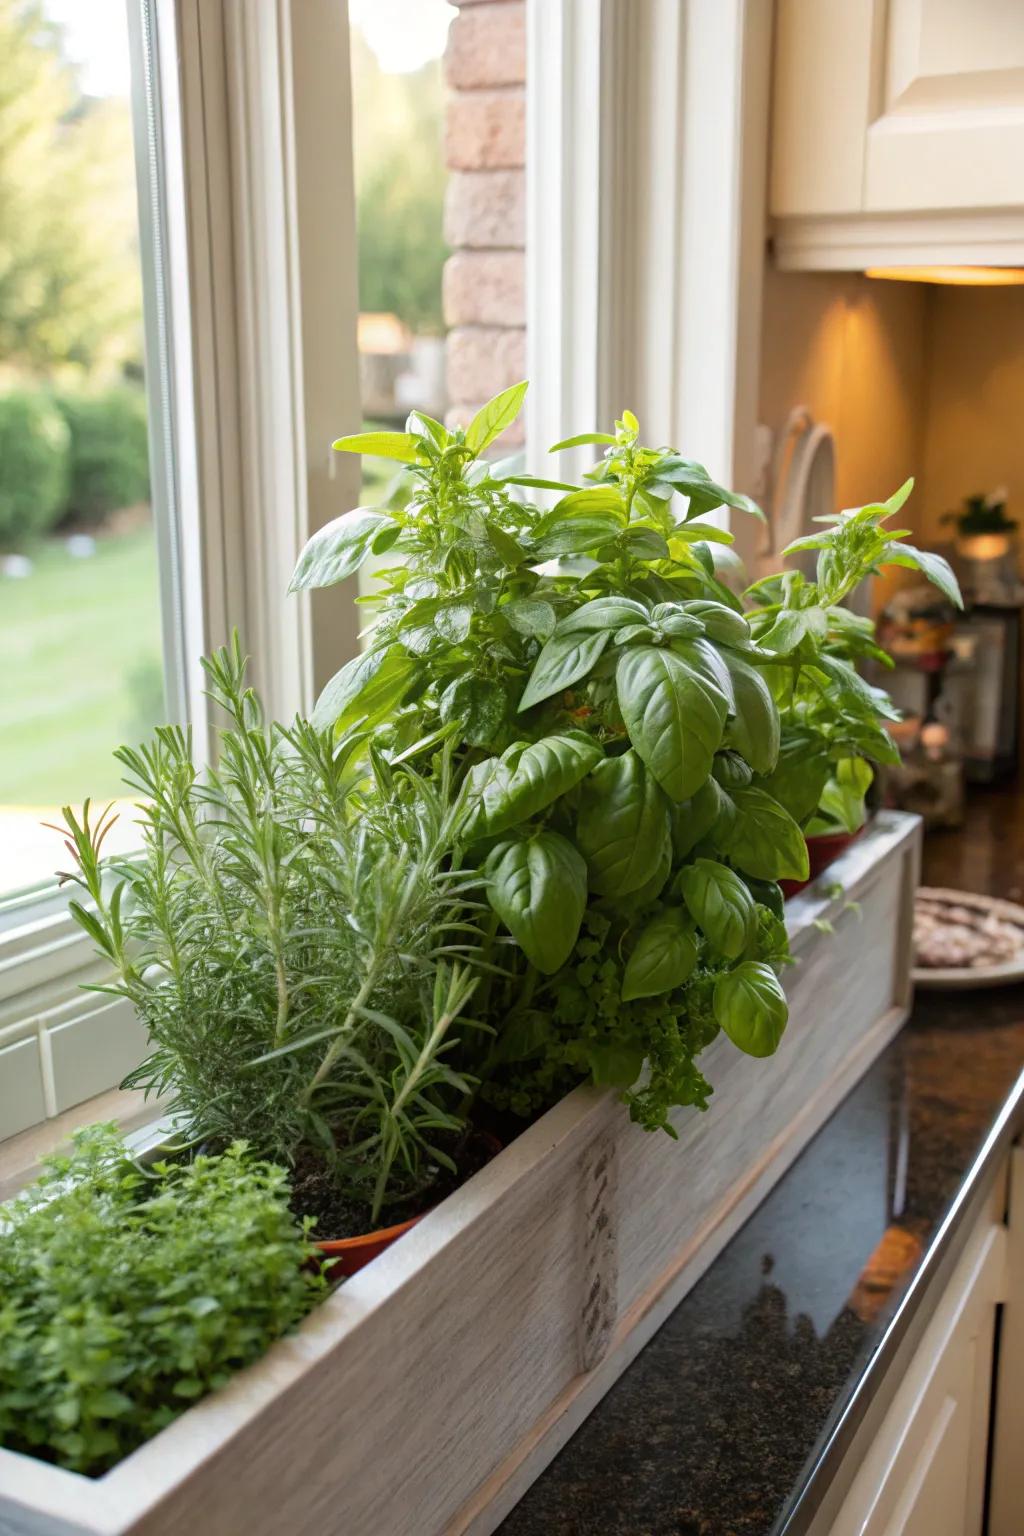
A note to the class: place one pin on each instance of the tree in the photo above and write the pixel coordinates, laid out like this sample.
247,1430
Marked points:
399,174
70,286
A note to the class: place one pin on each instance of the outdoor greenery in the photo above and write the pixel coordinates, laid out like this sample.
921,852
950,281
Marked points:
399,184
70,678
70,294
109,451
127,1293
34,465
291,942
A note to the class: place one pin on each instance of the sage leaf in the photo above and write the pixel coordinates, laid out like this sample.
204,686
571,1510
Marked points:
720,905
673,721
751,1007
339,548
764,840
492,419
538,887
664,956
564,660
623,825
541,774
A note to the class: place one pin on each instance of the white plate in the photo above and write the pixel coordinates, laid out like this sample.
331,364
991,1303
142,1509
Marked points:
962,978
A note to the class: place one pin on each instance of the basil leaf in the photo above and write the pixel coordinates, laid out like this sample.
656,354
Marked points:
694,819
602,499
623,825
720,622
339,548
664,957
842,798
673,722
479,704
764,840
454,621
365,689
538,887
706,662
564,660
644,544
530,616
403,446
543,772
492,419
505,546
603,613
583,438
720,905
755,731
935,567
574,536
800,774
751,1007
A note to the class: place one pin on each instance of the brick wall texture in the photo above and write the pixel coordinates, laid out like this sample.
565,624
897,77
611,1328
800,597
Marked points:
485,151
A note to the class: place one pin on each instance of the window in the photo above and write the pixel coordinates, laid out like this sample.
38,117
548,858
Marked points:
78,552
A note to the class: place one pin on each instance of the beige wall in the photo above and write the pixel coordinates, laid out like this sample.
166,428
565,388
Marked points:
913,380
974,438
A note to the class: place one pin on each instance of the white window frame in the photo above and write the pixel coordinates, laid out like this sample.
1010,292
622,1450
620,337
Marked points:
633,155
252,371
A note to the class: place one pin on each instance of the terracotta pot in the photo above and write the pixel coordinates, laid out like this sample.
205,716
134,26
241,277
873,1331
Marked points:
821,850
350,1254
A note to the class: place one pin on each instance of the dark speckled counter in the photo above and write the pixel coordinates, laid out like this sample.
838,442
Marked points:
723,1422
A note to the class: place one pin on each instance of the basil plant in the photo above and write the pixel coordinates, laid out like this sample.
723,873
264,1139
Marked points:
833,722
616,729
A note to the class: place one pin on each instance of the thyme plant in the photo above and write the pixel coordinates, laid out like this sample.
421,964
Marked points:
123,1298
293,941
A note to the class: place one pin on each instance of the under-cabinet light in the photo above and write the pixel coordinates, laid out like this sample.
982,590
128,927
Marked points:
972,277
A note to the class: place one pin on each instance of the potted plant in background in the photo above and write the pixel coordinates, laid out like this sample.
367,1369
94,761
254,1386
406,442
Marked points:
833,722
986,543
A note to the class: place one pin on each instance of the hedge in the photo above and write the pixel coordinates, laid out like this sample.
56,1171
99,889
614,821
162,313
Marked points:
109,451
35,464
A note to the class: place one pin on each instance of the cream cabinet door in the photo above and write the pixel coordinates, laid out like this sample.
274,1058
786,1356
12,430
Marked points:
924,1474
890,106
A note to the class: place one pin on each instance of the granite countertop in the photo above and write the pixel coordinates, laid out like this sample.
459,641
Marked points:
719,1424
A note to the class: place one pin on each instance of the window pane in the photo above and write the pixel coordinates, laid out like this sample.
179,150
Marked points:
80,639
398,147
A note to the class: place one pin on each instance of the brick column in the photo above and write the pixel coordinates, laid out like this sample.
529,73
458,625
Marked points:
485,151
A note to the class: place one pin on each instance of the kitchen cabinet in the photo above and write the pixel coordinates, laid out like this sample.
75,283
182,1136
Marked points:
898,132
924,1472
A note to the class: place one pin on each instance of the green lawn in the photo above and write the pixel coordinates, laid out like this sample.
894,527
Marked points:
80,669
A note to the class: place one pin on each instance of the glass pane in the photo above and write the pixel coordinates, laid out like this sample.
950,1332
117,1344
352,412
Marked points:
398,146
80,640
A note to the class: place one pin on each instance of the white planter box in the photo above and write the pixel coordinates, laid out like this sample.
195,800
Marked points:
428,1392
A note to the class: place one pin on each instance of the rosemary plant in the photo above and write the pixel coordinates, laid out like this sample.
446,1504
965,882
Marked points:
294,942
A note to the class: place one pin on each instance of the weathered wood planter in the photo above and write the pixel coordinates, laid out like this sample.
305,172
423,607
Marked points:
426,1394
